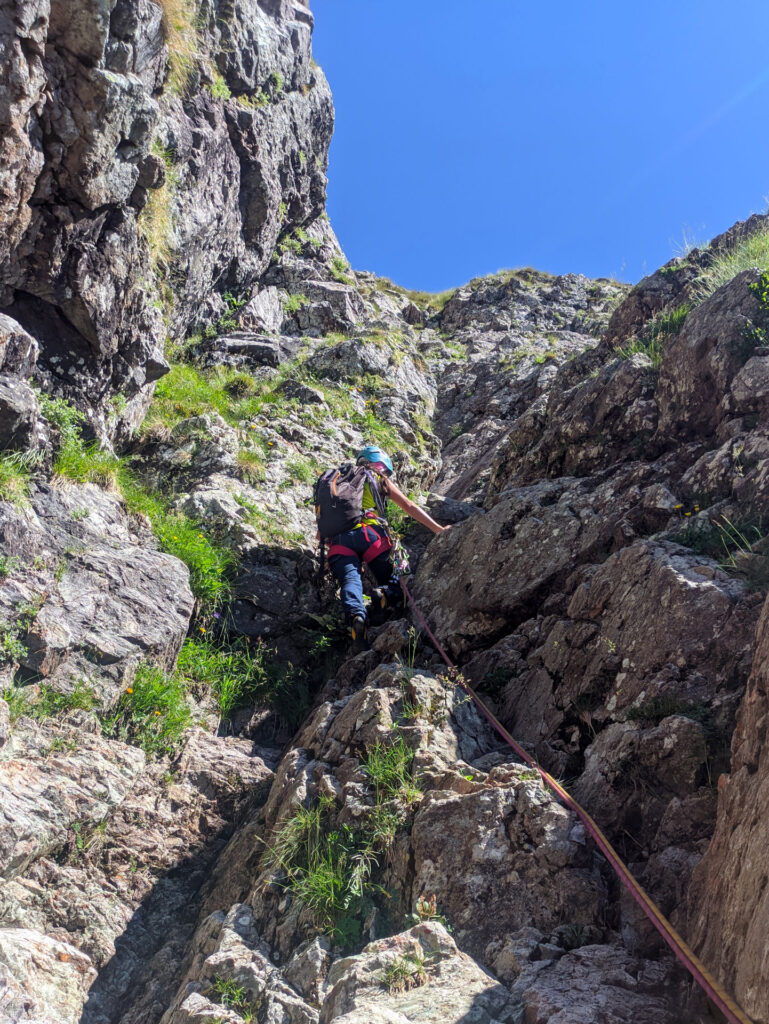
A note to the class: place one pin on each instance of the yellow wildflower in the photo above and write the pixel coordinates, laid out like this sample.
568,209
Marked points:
129,689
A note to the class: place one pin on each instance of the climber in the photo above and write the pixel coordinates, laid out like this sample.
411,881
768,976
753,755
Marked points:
350,509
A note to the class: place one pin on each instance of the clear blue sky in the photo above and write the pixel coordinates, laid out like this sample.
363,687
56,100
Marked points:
478,134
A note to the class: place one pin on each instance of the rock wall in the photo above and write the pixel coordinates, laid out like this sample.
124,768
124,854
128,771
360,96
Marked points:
134,192
600,453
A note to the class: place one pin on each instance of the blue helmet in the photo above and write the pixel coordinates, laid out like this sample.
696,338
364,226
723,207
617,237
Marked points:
373,454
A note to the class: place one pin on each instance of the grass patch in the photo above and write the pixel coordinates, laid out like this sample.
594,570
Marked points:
156,220
433,302
326,869
338,270
751,253
652,341
388,766
227,992
236,675
218,87
152,713
181,33
211,565
45,702
251,466
301,469
293,303
15,473
404,973
77,459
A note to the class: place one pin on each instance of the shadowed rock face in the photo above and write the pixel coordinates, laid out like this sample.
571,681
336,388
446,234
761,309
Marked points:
727,904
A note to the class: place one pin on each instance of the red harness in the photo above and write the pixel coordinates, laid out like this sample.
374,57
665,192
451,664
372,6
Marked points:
378,546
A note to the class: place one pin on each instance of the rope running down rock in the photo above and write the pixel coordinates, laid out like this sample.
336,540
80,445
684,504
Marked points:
684,954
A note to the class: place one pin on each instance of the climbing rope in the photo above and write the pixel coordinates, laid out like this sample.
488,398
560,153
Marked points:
682,951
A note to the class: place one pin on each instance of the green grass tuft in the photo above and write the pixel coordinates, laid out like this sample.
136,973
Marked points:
152,713
15,473
77,459
652,340
236,674
751,253
211,565
388,766
45,702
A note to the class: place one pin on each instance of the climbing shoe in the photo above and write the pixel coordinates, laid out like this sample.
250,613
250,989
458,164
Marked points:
358,633
377,609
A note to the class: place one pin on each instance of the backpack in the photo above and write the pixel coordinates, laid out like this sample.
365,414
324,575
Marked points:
338,498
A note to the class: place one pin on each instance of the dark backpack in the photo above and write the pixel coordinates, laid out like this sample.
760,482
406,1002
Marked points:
338,498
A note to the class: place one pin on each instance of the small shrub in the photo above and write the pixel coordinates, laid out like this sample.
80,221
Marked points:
227,992
152,713
11,647
8,565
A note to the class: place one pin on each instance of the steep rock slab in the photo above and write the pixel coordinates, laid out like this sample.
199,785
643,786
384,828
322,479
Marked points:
43,796
86,598
229,947
602,983
524,859
42,980
728,905
130,852
93,129
700,365
484,575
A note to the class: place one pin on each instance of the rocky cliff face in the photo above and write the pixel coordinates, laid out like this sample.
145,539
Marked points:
211,812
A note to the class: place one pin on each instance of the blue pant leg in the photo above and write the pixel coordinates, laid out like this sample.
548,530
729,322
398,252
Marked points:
346,568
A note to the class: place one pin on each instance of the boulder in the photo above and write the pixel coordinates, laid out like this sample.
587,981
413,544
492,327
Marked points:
248,350
18,350
441,985
19,411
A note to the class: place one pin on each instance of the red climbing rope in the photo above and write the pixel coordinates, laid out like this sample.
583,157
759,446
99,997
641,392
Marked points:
682,951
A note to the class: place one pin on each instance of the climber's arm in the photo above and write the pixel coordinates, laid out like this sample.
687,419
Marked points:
395,494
